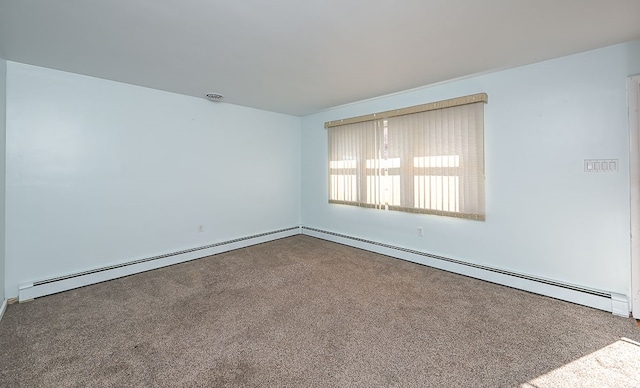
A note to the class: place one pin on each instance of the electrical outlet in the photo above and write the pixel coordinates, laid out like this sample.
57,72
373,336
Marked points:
200,228
420,231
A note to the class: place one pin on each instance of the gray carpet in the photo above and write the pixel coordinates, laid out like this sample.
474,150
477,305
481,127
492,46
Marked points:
302,312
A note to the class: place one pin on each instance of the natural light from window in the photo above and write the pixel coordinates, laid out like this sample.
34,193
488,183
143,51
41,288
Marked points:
425,159
615,365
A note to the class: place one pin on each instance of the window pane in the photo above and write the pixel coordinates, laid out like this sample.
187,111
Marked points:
437,193
343,187
431,161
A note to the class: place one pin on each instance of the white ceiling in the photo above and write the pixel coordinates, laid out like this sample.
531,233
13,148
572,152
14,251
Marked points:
299,57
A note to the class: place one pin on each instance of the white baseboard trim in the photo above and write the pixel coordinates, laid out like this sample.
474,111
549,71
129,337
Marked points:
3,308
602,300
37,289
617,304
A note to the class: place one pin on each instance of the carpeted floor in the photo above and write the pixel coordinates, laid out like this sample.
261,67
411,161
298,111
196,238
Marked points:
302,312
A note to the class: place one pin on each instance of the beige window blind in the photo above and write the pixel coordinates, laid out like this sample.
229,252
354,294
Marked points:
423,159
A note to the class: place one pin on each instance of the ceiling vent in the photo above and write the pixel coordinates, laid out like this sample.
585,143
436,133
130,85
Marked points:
215,97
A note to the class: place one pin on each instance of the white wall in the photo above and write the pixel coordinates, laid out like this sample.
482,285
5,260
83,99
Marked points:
3,84
100,172
545,216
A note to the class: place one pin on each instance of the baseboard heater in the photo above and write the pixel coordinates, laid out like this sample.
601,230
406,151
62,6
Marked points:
608,301
3,307
37,289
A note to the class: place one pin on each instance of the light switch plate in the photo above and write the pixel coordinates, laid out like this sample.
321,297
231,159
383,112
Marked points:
601,165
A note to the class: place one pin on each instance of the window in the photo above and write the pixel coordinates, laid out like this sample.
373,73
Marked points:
422,159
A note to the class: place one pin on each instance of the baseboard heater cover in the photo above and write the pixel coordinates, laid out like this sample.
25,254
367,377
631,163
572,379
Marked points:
602,300
3,307
37,289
